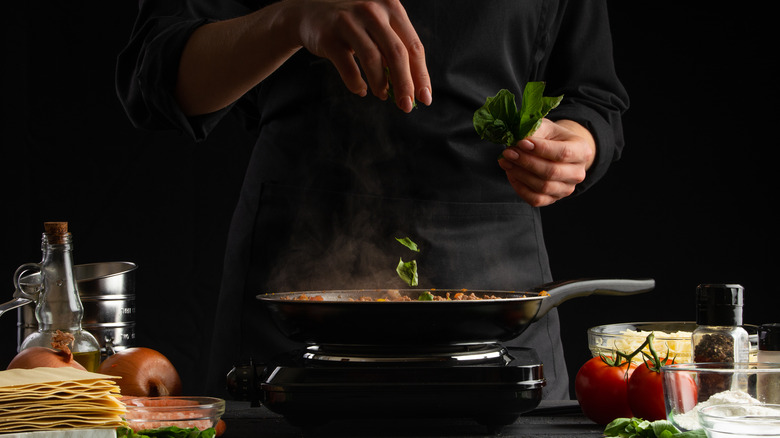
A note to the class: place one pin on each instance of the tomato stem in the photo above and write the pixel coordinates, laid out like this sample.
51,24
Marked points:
652,362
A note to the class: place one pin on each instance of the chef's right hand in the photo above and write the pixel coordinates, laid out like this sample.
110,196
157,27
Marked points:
371,35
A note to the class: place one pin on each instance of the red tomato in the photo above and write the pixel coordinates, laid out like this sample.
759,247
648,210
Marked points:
220,428
646,392
601,390
684,391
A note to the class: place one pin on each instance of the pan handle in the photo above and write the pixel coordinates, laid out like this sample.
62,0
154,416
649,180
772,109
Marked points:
561,291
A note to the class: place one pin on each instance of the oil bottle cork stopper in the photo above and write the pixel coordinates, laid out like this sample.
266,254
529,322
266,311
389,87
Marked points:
55,228
57,232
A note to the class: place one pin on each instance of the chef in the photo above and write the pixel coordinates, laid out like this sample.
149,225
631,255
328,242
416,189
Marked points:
363,111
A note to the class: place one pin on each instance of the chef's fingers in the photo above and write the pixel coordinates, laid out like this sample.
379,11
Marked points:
370,59
371,36
554,150
564,141
420,86
339,32
348,69
534,189
402,53
569,172
533,197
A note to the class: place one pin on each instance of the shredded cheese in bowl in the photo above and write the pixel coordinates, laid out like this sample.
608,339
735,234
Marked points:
677,345
670,338
673,337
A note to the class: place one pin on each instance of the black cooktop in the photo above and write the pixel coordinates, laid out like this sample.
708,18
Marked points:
489,383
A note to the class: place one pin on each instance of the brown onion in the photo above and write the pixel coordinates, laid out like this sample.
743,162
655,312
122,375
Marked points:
143,372
34,357
57,356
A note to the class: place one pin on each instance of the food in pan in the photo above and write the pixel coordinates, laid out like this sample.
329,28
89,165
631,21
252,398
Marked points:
425,295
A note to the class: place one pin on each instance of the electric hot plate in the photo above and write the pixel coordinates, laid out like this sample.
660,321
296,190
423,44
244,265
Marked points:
490,383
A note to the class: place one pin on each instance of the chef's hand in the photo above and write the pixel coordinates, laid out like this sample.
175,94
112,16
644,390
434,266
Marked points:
224,59
548,165
370,35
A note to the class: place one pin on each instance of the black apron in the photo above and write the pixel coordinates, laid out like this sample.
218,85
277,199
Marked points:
335,178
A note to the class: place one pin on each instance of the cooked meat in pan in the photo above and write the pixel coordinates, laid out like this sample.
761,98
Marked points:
425,295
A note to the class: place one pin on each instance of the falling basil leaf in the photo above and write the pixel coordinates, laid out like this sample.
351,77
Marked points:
499,121
407,242
407,271
425,296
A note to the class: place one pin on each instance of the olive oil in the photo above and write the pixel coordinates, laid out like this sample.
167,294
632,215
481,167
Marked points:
88,359
59,310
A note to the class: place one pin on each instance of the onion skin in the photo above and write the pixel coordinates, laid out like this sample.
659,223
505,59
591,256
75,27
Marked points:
35,357
144,372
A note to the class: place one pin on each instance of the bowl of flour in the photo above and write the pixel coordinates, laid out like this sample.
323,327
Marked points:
691,388
744,420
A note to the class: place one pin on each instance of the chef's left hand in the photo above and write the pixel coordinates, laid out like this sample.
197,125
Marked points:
547,166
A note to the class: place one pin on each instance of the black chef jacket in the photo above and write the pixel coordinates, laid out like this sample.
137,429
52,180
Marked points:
334,177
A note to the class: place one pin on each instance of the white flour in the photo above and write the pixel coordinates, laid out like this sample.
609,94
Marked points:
690,419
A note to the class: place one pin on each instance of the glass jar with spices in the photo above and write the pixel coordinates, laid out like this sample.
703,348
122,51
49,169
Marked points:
59,310
719,336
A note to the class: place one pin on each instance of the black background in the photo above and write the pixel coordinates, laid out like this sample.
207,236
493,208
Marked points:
689,202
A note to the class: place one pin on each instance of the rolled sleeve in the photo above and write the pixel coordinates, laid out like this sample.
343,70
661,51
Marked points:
146,76
579,64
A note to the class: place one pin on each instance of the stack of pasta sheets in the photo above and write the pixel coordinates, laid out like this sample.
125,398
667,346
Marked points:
49,399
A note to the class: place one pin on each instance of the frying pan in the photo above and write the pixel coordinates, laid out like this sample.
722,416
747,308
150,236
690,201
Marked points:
339,320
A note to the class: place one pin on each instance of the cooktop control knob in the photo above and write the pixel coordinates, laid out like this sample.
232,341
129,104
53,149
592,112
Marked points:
243,382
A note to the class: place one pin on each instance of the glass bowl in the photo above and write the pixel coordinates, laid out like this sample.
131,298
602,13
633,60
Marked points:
180,411
737,420
691,387
672,335
627,337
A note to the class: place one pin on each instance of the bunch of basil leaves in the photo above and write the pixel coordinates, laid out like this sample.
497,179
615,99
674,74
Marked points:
166,432
499,120
639,428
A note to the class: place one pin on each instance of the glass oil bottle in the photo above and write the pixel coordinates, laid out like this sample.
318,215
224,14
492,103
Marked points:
59,306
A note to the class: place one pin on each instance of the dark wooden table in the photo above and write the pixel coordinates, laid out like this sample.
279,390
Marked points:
549,419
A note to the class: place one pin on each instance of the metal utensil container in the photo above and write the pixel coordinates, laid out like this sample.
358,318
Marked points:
107,292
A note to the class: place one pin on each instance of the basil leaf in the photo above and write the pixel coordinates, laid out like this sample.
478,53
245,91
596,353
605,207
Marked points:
660,426
165,432
425,296
534,107
499,120
495,120
617,426
407,271
407,242
639,428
